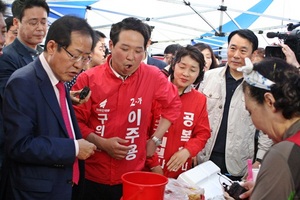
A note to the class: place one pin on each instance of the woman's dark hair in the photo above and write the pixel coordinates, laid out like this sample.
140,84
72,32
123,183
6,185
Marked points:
130,23
201,46
195,54
98,35
286,89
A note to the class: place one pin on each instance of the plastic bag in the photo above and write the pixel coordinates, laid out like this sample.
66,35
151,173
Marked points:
176,189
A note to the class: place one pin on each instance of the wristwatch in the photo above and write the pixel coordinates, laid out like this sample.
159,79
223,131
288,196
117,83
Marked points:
156,140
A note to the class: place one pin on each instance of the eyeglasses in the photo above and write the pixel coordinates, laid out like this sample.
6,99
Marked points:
169,57
75,59
15,32
35,22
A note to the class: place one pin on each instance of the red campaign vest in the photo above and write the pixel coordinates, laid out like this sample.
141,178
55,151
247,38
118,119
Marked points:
295,138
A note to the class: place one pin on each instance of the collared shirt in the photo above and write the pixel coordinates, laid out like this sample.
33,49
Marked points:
117,74
54,81
231,85
33,52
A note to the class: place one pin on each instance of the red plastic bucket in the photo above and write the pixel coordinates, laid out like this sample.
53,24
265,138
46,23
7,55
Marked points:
141,185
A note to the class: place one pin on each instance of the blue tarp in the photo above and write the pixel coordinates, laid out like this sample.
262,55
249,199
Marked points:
244,20
61,8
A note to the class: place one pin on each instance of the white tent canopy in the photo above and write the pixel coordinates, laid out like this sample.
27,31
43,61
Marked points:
175,22
181,21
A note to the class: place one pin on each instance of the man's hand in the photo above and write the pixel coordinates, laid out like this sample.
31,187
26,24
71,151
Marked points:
256,164
158,169
116,147
86,149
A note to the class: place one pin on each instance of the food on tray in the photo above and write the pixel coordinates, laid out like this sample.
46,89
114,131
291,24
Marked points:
176,189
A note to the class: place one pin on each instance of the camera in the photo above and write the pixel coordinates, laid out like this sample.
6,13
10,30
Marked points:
274,51
292,39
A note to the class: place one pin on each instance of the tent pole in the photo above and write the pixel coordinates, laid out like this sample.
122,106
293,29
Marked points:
189,5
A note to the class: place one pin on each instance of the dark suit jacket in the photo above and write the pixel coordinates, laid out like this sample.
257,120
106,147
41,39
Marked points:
39,153
14,57
158,63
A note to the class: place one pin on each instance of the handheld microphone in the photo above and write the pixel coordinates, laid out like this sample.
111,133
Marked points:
278,34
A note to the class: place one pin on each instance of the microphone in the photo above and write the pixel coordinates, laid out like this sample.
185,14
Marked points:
278,34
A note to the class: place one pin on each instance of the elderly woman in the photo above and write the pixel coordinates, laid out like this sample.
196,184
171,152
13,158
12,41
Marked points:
272,97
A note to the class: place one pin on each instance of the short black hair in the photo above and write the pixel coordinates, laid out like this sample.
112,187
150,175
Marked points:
247,34
2,7
130,23
172,48
9,23
19,6
61,29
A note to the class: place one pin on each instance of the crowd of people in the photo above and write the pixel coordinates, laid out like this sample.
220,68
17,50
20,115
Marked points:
141,114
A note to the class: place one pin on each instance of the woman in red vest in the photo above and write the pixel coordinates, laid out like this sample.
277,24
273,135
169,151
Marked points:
190,132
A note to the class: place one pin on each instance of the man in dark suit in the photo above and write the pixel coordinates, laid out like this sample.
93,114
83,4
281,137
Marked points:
30,18
41,148
158,63
2,43
3,26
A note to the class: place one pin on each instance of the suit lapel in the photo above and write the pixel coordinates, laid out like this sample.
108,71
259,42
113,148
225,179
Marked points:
49,94
26,57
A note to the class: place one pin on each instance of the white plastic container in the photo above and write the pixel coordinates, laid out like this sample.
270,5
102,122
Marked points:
206,175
